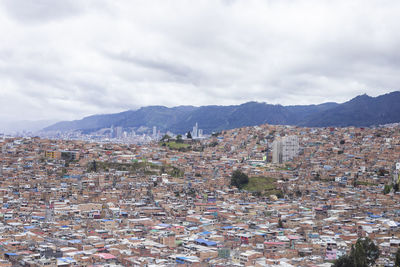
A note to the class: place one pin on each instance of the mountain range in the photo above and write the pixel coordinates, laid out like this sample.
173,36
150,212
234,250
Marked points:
361,111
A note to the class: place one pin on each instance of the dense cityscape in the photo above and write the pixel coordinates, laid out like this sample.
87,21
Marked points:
309,195
212,133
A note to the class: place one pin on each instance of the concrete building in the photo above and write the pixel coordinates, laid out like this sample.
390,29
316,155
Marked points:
154,131
285,149
195,131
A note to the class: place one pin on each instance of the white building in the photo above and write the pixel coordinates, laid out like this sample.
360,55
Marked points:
195,131
154,131
285,149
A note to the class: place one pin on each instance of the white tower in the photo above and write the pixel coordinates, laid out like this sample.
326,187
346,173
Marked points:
195,131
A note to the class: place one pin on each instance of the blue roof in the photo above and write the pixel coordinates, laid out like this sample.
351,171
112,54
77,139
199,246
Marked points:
205,242
227,227
66,259
210,243
205,233
11,254
374,216
38,217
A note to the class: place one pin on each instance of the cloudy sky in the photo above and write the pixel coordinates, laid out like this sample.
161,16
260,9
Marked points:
71,58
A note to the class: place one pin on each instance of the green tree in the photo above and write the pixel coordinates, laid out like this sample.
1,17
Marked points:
355,181
280,223
396,187
363,254
239,179
344,261
176,172
92,166
165,137
382,172
397,259
387,188
179,138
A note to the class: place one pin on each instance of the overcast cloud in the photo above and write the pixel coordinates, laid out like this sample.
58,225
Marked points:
72,58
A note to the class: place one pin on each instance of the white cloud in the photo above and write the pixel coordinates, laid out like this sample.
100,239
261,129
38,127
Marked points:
68,59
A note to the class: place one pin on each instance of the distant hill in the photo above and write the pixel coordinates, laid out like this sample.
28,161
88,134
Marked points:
360,111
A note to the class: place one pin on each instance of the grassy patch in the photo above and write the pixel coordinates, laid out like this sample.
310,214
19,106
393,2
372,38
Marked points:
264,185
176,172
366,183
145,168
134,167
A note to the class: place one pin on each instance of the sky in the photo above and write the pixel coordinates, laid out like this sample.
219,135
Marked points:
63,60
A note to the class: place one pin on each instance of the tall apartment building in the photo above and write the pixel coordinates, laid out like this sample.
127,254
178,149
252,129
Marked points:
195,131
285,149
154,131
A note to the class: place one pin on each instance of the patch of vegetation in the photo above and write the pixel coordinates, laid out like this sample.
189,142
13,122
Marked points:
284,168
280,223
213,144
366,183
176,172
134,167
176,145
364,253
166,137
264,185
397,258
239,179
382,172
396,187
386,189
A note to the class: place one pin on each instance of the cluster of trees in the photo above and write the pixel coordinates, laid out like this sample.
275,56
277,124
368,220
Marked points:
397,258
179,138
363,254
239,179
388,188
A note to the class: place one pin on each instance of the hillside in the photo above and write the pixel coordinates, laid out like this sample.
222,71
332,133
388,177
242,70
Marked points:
360,111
